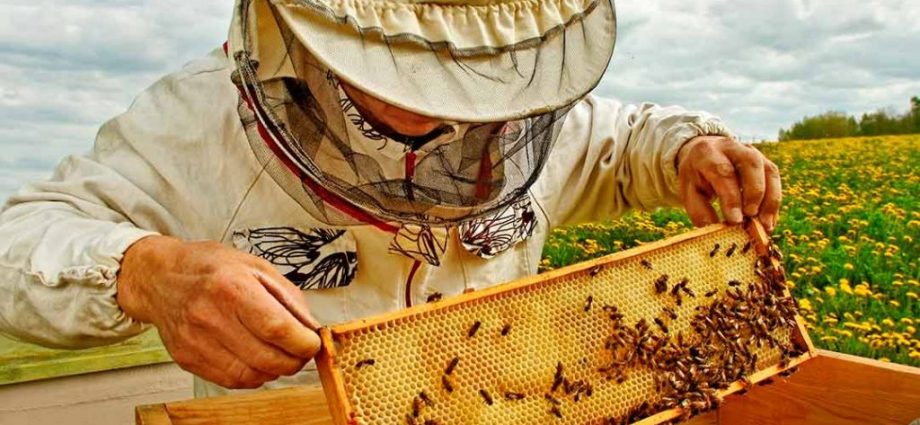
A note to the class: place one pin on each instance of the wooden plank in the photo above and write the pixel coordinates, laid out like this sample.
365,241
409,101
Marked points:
299,405
23,362
152,415
524,282
334,388
711,418
832,389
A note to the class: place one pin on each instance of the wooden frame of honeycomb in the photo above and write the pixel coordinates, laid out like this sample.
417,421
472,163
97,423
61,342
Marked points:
712,317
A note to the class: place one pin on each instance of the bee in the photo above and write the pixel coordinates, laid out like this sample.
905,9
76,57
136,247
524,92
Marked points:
416,407
506,329
410,420
767,381
451,366
435,297
588,303
595,270
775,253
424,397
474,329
711,293
746,248
514,396
552,399
445,382
364,363
556,412
731,250
715,250
661,325
485,396
670,312
558,378
646,263
675,290
788,372
431,422
661,284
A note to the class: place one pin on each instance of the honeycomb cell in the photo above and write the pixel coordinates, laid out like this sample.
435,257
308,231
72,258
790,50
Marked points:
549,323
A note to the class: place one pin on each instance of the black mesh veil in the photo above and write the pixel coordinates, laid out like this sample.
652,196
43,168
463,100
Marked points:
313,140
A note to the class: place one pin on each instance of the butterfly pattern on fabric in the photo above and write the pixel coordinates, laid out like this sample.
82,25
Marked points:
421,243
485,237
316,258
492,235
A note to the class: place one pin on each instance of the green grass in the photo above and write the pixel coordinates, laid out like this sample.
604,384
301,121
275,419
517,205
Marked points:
20,362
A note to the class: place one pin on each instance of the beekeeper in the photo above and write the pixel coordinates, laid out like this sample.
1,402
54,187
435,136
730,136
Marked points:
340,159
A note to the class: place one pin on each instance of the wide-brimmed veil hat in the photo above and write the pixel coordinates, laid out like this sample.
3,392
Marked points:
462,60
502,75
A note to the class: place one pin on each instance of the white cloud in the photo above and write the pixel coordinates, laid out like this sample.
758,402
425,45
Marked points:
67,66
762,65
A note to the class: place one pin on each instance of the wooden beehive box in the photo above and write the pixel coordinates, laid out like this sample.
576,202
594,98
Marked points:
648,335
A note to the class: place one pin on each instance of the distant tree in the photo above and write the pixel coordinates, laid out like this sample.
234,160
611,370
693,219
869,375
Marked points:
915,113
885,122
828,124
839,124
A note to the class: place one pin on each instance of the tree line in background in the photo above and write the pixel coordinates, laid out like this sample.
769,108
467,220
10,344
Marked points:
838,124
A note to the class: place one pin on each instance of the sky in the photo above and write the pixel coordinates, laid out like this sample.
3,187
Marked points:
67,66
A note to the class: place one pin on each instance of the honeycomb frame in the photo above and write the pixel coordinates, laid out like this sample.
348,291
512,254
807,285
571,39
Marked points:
341,371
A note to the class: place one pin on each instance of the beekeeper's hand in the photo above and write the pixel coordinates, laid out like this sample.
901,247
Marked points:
224,315
744,180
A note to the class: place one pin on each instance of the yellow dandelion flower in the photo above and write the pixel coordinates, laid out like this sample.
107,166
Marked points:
848,266
862,290
912,295
888,322
845,286
884,359
805,304
830,290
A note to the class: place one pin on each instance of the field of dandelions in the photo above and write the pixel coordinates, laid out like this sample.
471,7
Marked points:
850,231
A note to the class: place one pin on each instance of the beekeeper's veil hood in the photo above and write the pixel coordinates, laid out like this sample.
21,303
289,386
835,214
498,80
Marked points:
502,73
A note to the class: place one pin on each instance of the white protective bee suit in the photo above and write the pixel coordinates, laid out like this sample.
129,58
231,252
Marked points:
180,161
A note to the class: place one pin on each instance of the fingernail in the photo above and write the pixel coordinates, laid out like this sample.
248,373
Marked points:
768,222
735,216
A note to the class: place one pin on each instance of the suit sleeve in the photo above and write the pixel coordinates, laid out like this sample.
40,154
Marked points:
611,158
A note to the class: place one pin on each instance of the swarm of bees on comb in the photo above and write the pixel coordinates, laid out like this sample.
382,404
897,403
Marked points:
569,348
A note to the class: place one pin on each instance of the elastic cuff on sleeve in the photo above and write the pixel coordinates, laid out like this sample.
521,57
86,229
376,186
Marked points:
682,134
103,317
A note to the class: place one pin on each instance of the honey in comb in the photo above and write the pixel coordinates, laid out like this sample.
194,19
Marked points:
550,327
